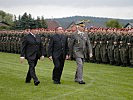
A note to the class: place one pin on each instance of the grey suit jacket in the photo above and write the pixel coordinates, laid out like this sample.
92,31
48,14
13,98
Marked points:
79,45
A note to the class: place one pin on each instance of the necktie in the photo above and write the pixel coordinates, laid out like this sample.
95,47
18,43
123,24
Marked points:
60,36
34,36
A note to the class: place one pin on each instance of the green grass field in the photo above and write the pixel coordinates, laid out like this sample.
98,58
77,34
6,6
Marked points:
103,82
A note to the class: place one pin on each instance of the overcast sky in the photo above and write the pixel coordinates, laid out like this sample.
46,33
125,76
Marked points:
65,8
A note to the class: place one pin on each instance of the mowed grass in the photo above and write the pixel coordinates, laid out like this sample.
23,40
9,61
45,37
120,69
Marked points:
103,82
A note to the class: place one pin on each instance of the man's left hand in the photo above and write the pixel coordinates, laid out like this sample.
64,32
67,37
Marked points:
42,58
67,57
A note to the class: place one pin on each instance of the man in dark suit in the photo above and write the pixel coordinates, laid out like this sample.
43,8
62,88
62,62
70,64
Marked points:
58,49
32,50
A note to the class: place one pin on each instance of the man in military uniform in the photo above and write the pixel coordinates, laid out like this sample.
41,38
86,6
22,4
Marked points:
116,49
103,48
130,45
8,42
110,47
97,47
80,42
92,39
0,42
123,51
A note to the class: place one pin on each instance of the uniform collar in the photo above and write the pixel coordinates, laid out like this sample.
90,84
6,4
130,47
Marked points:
32,34
79,32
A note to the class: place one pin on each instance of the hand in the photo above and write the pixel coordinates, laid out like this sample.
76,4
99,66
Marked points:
129,43
22,60
67,57
42,58
50,58
91,55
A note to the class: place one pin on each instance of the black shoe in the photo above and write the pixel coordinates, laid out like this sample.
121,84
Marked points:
81,82
57,82
36,83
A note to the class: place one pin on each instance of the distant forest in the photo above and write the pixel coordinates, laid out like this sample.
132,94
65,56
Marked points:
94,21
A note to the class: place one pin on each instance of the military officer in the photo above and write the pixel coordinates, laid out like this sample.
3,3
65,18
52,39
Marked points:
80,42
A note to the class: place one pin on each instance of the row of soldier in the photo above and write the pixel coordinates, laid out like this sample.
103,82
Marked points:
113,46
10,41
110,46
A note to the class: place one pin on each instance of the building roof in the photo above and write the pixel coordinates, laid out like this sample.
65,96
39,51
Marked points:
52,24
128,24
3,23
87,25
70,25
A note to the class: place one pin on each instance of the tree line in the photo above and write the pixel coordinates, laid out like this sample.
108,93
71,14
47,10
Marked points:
25,21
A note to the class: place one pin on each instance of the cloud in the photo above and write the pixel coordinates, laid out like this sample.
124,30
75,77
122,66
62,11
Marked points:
65,8
58,12
68,3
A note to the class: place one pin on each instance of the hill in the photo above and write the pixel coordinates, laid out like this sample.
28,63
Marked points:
95,21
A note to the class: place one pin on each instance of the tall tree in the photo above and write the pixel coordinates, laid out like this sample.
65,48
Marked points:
26,21
113,24
38,22
43,23
6,18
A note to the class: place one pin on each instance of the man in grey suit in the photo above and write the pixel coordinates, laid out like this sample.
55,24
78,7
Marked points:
79,44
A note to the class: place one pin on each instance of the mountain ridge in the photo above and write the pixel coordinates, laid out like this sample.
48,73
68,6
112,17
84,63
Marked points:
95,21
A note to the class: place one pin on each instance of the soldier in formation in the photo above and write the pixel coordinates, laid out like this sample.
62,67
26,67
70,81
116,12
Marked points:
109,45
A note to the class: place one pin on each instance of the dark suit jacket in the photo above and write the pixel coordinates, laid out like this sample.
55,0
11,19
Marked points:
58,45
32,47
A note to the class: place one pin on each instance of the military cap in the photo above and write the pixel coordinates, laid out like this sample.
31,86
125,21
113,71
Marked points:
80,23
